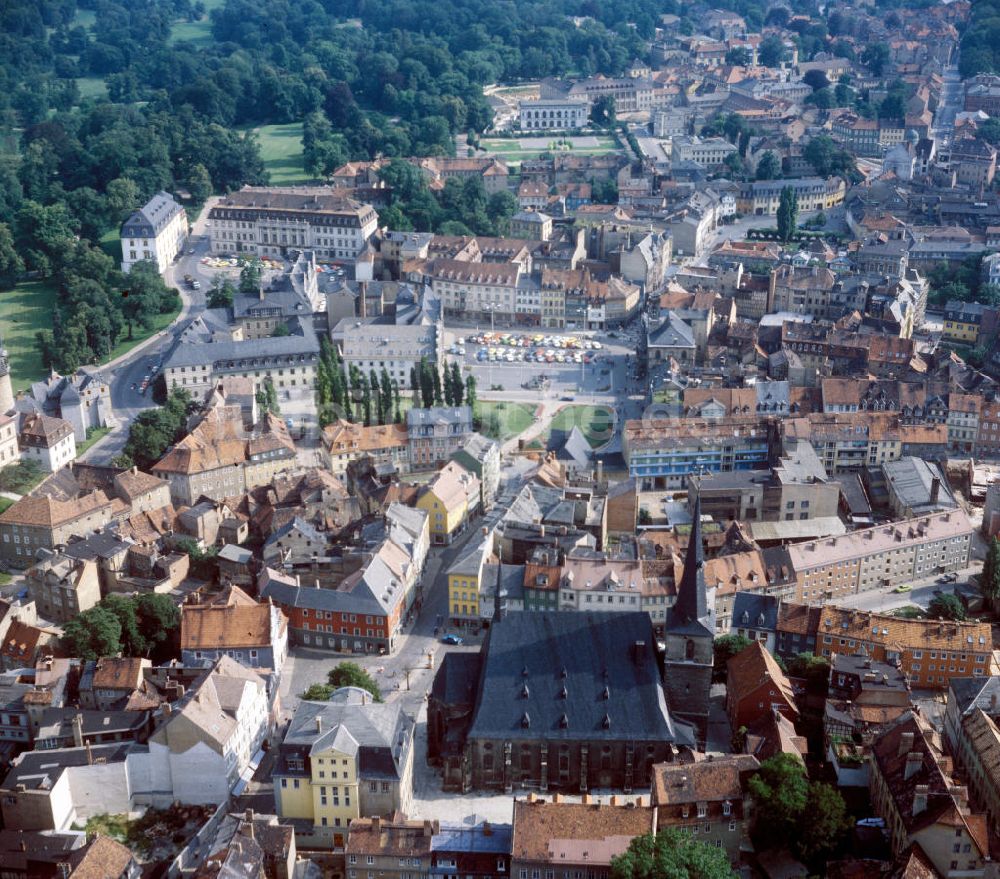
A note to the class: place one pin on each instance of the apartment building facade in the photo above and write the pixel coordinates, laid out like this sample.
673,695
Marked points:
929,652
269,221
553,114
880,557
663,453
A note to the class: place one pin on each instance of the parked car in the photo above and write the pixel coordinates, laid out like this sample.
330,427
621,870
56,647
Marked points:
452,639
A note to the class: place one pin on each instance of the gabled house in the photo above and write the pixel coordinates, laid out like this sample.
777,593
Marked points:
709,793
914,792
253,633
340,760
450,499
211,737
755,683
108,683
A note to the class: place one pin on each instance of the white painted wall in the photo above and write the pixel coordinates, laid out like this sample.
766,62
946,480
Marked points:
100,789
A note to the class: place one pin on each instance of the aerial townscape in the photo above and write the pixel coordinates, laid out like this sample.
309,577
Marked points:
476,440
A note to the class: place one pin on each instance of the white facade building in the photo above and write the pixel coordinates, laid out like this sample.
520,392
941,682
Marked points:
197,757
270,222
155,232
552,115
47,441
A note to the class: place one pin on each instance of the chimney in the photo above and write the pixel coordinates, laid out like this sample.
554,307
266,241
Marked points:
614,800
77,730
638,652
905,744
319,724
488,831
920,798
376,823
90,754
428,828
935,489
914,763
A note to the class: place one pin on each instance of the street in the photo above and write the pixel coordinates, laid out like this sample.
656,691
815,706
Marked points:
920,595
142,363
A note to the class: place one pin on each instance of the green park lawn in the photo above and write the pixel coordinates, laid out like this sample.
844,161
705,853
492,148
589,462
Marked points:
596,422
281,151
510,418
197,32
92,87
94,434
24,311
511,149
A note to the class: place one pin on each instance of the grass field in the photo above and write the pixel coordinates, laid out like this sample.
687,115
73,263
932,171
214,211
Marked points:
596,422
511,149
501,421
281,150
94,434
84,18
23,311
92,87
111,244
197,32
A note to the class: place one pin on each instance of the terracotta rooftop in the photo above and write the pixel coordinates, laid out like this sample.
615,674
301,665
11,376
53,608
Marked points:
576,832
753,667
103,858
48,512
121,673
716,779
211,626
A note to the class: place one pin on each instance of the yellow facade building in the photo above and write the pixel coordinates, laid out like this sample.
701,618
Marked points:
344,759
464,579
450,500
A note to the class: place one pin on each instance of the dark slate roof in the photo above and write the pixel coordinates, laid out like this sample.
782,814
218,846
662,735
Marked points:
672,333
99,545
761,611
455,682
976,693
379,734
576,676
35,769
302,341
152,217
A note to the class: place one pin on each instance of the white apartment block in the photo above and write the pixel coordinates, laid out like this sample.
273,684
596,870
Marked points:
473,288
880,557
709,152
369,344
552,115
270,222
156,232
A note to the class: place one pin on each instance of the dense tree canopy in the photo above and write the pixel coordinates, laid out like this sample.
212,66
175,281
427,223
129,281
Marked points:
671,854
809,817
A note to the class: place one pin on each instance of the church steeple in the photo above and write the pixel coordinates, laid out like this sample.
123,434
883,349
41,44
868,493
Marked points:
692,597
